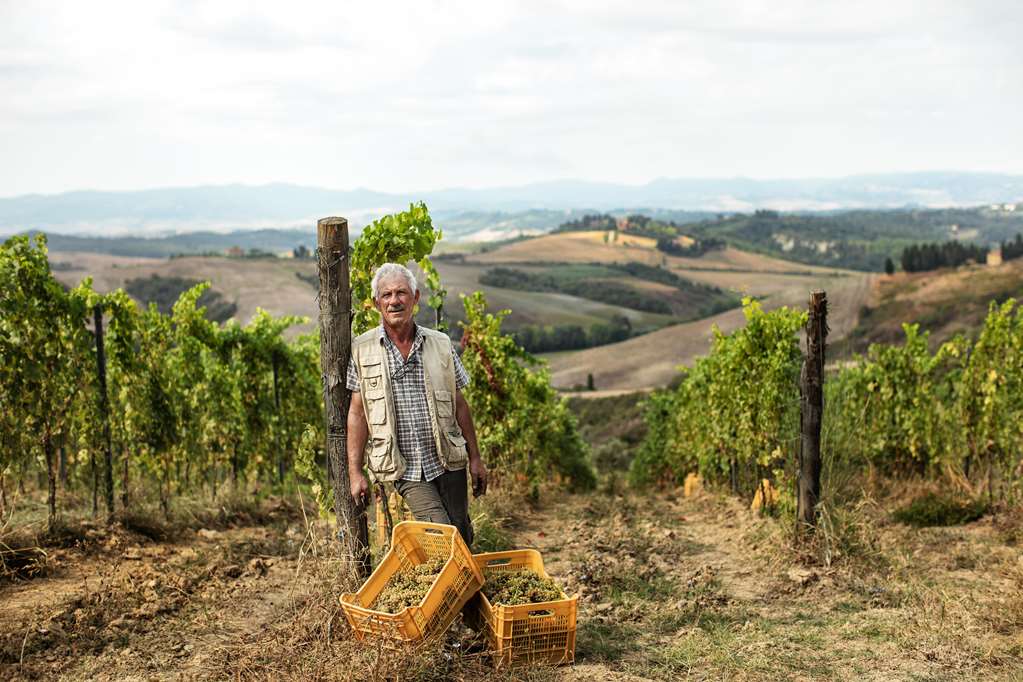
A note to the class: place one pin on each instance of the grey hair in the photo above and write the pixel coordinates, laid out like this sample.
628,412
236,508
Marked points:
389,271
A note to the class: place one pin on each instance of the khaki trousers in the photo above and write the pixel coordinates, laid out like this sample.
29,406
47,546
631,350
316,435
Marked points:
445,499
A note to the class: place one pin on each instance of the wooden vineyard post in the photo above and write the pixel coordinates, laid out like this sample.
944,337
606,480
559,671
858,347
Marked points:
104,411
335,352
278,453
811,408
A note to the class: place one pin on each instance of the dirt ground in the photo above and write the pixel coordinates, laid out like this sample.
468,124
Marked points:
670,588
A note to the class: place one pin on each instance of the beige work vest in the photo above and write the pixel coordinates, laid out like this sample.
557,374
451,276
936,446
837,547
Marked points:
382,457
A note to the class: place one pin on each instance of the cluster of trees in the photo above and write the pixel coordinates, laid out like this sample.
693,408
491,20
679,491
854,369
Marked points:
924,257
610,292
696,249
596,221
545,339
1012,250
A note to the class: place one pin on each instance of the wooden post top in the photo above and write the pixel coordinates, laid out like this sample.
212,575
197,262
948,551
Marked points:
329,230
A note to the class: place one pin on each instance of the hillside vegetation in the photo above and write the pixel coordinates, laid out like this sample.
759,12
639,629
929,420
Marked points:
944,302
859,240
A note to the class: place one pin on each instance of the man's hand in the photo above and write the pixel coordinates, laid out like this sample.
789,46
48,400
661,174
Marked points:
360,488
478,471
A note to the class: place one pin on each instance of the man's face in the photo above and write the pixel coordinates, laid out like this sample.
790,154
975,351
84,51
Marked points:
395,301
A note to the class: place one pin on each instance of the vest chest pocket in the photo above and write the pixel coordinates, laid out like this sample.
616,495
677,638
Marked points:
376,406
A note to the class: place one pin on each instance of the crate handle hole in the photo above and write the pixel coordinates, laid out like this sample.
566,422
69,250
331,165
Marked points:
434,531
499,562
541,612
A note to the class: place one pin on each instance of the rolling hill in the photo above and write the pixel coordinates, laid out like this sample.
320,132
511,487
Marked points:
945,302
277,286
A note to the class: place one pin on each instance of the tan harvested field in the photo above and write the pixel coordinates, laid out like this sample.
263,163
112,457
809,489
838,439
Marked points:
582,247
651,360
759,283
589,247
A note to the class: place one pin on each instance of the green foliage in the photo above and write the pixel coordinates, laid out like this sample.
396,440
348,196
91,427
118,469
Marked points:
958,410
307,466
932,509
165,291
537,339
45,347
399,238
902,409
734,416
522,424
189,400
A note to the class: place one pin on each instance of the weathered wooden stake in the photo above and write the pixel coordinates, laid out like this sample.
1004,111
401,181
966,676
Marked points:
104,412
51,479
277,412
335,352
811,409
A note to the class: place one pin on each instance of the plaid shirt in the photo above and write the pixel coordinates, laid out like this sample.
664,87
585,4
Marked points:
408,390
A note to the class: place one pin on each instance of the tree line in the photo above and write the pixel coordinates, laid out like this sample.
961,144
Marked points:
1011,250
610,292
546,339
950,254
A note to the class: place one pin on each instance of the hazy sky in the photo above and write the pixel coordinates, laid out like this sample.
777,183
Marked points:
426,95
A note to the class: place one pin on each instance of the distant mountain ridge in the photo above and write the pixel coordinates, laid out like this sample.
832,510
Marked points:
234,207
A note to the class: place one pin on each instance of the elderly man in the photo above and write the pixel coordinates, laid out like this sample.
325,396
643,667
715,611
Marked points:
408,419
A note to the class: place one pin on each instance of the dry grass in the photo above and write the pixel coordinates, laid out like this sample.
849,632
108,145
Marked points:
670,588
310,640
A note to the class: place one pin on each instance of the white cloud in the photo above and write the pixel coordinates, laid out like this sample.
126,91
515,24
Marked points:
423,95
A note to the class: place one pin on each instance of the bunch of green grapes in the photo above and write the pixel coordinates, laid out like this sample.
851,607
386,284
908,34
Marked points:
512,588
408,588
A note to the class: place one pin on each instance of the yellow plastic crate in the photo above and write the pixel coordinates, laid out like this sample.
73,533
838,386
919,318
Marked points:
527,633
414,543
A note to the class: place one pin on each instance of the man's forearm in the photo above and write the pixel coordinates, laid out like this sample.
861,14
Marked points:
464,418
358,433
